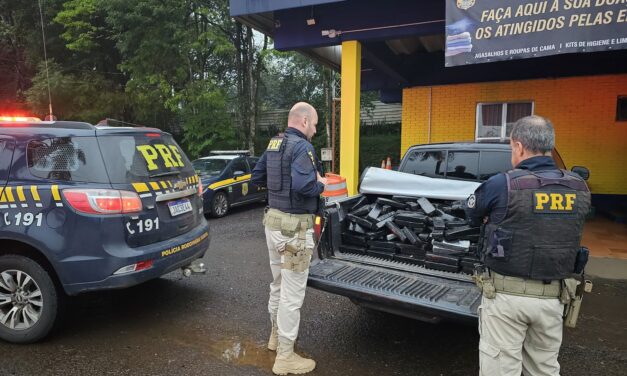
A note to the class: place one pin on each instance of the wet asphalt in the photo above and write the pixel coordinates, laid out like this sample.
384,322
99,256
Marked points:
217,324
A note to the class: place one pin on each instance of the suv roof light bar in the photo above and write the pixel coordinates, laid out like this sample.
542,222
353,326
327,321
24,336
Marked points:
19,119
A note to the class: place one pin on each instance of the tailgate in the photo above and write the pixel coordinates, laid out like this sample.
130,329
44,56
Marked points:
151,164
436,294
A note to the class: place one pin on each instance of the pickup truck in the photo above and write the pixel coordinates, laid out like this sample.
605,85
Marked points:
443,174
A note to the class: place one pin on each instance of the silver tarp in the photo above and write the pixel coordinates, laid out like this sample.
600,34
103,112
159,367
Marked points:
387,182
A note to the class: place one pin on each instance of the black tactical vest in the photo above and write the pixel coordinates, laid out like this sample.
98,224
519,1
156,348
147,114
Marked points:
279,169
540,235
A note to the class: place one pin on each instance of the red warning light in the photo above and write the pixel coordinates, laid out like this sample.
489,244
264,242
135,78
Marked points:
18,119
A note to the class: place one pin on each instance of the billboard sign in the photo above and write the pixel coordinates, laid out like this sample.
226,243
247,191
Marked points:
481,31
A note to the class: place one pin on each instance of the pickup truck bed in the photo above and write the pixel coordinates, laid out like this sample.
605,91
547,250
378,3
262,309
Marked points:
390,285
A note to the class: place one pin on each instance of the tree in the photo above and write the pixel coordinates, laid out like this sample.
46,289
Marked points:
167,58
246,54
87,96
290,77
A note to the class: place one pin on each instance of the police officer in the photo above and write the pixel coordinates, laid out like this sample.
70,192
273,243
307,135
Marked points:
533,217
288,170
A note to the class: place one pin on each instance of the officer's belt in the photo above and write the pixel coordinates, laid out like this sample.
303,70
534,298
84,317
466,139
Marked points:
288,224
525,287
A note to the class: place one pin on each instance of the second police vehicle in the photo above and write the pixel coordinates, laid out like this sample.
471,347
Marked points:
225,176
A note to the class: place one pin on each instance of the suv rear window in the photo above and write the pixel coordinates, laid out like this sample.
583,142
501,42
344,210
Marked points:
462,165
426,163
74,159
493,162
140,157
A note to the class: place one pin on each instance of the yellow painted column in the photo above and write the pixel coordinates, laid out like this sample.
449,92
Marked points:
349,121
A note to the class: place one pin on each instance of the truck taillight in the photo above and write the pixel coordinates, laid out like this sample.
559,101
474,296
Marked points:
199,188
103,201
318,222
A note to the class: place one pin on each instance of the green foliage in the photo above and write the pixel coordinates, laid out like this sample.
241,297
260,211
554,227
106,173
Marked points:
184,66
374,148
86,97
290,78
206,123
82,24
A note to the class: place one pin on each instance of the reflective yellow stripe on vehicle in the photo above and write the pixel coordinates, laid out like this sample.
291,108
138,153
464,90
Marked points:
6,195
141,187
222,183
33,191
55,192
20,193
55,195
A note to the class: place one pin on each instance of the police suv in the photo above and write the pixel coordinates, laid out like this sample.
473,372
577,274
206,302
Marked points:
86,208
225,176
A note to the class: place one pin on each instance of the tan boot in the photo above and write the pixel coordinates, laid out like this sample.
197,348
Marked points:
274,337
287,361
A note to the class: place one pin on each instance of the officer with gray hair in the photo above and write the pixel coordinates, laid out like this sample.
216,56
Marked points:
288,168
533,219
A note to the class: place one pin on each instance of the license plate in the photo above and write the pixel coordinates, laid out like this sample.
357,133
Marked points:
179,207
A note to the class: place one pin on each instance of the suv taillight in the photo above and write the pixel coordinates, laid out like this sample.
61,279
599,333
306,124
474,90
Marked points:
103,201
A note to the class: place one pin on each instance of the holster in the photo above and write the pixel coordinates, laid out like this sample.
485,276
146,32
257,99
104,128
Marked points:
572,307
484,282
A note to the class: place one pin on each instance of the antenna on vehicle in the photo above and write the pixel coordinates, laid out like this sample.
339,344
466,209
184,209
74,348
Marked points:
107,120
43,37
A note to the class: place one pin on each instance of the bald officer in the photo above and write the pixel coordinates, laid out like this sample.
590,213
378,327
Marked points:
288,170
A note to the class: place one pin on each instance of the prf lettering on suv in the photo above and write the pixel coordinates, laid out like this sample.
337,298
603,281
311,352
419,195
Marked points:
85,208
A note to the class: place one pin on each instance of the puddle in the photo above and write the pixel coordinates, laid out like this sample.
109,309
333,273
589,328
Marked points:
234,351
243,353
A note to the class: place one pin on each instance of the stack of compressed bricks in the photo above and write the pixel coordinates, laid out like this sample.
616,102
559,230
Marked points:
411,230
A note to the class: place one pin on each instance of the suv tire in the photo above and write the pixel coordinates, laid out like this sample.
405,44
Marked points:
29,297
220,204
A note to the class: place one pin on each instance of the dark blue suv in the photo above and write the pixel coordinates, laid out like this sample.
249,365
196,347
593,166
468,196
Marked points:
86,208
225,177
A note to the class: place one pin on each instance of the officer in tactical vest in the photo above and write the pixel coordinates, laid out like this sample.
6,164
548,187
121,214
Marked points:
288,170
533,219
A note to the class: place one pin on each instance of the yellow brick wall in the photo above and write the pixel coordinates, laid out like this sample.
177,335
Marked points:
582,109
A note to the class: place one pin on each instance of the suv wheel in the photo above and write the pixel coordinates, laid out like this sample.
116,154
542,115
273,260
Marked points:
220,204
28,300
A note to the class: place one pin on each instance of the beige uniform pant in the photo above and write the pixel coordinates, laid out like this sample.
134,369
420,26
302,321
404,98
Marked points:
519,334
287,290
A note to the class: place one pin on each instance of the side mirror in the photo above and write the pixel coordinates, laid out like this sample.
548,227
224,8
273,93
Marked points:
238,174
581,171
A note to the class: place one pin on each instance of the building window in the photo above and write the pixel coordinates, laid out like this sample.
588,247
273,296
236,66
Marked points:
621,108
495,120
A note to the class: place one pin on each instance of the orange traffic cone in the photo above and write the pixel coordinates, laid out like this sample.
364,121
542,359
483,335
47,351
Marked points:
383,163
388,164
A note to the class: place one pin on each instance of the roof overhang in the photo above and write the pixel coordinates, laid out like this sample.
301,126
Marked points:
402,42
